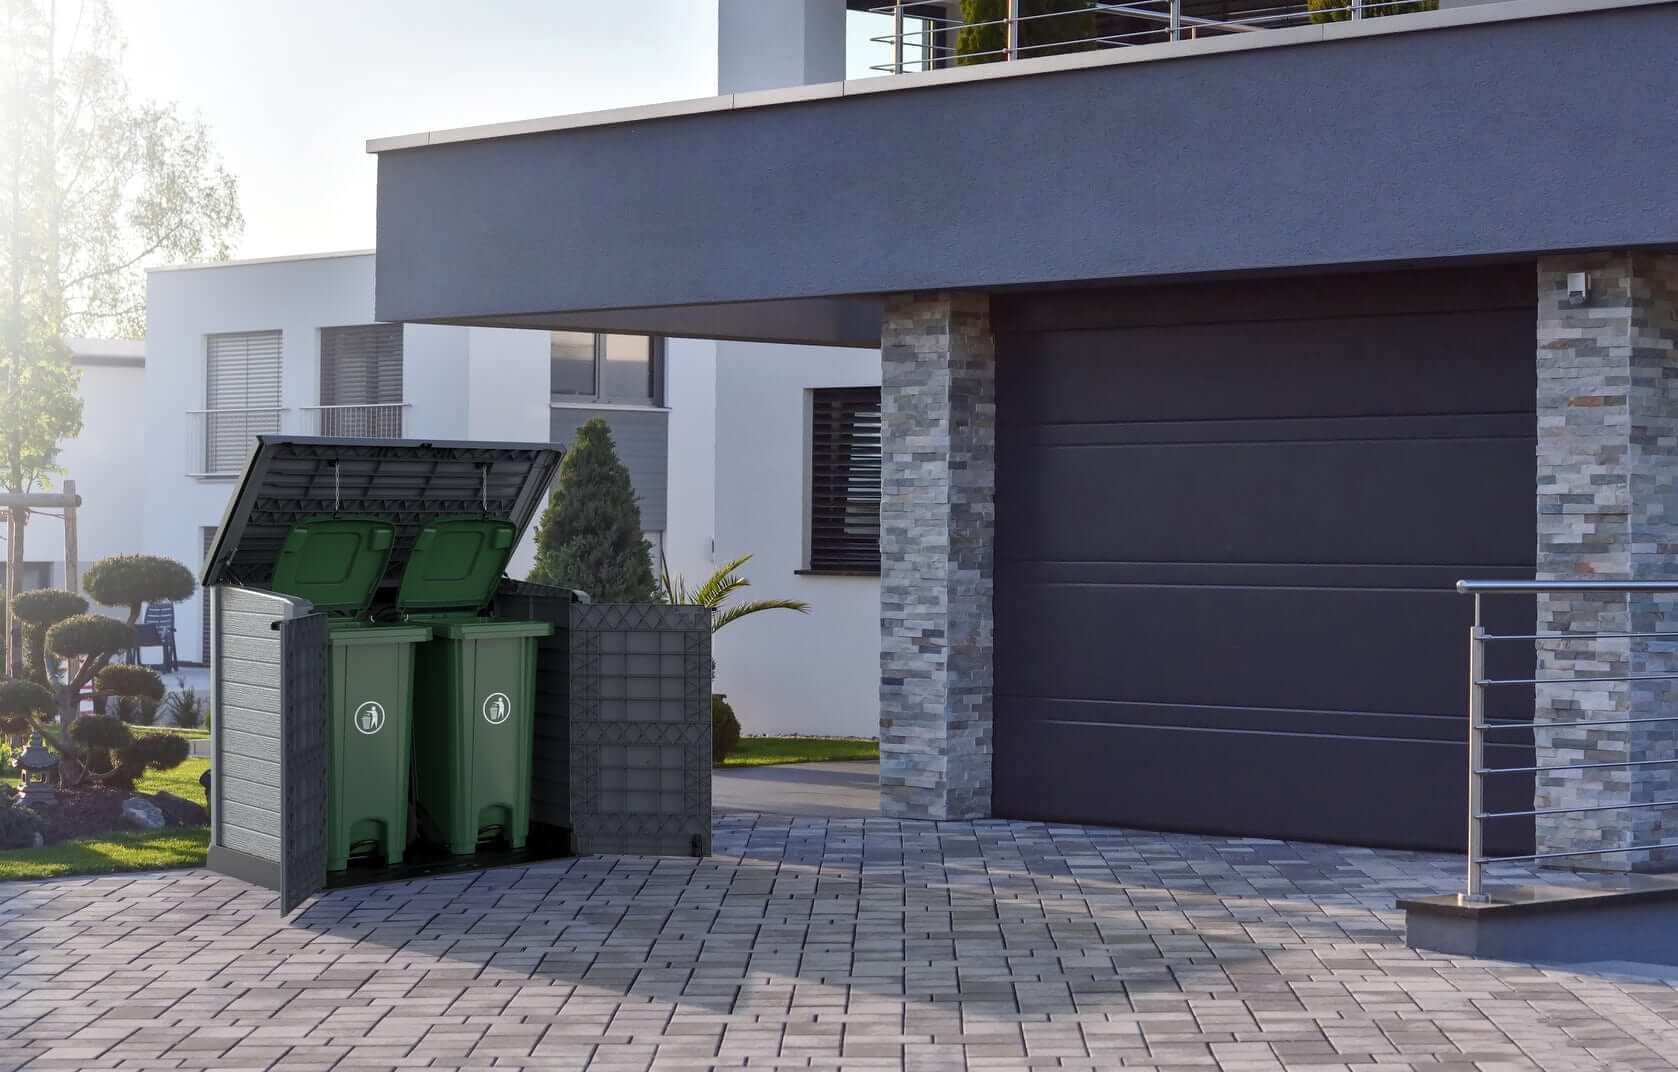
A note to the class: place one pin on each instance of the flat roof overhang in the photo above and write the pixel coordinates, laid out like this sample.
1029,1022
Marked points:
1488,131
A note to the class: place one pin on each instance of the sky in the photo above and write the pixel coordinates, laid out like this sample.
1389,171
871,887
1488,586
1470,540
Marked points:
291,91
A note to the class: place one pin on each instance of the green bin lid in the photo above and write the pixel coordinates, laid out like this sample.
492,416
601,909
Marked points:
456,564
335,563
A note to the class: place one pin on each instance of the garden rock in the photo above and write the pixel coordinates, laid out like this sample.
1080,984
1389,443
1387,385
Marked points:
180,811
142,813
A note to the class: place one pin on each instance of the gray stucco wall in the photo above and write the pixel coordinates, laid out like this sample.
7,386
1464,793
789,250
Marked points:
643,441
1477,140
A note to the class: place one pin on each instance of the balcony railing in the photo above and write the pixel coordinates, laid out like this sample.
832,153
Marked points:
925,36
1591,660
377,420
220,441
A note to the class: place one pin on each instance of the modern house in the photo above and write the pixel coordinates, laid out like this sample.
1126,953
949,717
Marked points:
1208,366
291,345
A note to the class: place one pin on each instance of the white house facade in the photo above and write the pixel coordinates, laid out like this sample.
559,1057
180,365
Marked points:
717,437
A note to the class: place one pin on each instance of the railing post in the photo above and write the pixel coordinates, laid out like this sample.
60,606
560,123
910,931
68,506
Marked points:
1474,891
1013,30
1357,9
1176,20
897,38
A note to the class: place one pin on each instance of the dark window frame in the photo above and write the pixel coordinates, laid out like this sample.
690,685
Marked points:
600,396
845,457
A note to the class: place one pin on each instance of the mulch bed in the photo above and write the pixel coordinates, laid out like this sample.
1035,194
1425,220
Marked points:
83,812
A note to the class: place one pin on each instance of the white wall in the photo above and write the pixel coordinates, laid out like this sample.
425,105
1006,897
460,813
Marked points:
690,386
106,461
783,672
508,402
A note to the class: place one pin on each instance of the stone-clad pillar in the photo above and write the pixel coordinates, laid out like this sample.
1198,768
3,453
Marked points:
1608,509
937,518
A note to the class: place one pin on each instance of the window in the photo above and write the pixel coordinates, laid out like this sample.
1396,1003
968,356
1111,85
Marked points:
361,381
845,480
586,367
241,397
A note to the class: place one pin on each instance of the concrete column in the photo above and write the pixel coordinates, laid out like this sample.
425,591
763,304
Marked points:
937,522
772,44
1608,508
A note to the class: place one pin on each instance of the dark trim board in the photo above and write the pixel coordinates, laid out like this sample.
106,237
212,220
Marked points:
244,867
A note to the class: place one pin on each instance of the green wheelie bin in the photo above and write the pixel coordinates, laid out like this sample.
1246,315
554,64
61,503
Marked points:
475,686
337,564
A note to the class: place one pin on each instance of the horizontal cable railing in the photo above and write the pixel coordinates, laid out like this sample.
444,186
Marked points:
220,441
1479,726
371,420
925,35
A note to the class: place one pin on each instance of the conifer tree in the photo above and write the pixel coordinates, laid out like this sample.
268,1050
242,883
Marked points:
589,537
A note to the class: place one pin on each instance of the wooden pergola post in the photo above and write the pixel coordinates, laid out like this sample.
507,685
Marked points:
68,501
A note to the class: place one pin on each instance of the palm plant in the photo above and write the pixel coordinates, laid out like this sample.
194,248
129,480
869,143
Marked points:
717,592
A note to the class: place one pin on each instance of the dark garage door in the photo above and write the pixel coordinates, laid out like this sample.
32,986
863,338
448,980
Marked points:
1229,520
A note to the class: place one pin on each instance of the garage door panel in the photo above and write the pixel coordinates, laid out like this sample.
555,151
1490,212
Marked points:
1360,650
1333,367
1377,501
1226,551
1407,794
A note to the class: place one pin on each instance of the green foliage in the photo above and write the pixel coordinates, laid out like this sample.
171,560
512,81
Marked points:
1075,21
18,827
589,537
135,710
725,730
21,702
765,751
130,580
100,733
89,635
139,682
186,709
47,606
717,591
1341,10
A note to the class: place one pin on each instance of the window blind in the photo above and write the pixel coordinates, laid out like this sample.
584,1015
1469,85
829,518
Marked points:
845,479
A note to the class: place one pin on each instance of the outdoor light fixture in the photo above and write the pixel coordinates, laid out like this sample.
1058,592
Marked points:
1578,288
35,769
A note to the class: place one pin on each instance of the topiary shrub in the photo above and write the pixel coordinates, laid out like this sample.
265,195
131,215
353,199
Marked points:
100,733
21,702
158,751
18,827
138,682
47,606
589,537
89,635
725,730
130,580
135,710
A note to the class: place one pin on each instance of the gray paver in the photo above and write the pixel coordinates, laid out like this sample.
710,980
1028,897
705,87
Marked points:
812,943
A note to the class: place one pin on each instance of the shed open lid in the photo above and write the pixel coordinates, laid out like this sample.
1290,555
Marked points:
407,483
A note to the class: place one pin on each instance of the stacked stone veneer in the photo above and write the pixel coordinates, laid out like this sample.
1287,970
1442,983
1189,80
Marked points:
937,517
1608,509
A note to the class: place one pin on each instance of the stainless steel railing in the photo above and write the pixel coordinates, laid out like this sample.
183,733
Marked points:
372,420
927,35
1479,726
220,441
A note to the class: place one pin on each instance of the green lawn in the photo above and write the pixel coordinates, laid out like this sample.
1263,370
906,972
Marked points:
763,751
149,851
176,730
182,781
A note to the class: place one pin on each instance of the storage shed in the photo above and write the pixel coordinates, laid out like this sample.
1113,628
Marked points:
621,759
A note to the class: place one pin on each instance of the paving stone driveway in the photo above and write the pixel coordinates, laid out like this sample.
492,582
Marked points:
856,943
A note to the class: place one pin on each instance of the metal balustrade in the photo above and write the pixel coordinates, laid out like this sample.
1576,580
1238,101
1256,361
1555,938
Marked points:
941,39
1479,726
376,420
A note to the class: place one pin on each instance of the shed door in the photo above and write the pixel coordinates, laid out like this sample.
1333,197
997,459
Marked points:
304,695
1229,521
